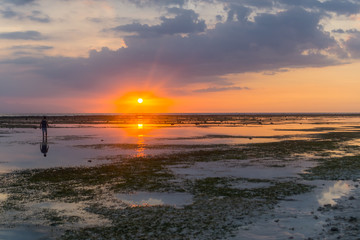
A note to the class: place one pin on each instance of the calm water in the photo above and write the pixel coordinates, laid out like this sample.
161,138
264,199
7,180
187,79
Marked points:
21,147
87,145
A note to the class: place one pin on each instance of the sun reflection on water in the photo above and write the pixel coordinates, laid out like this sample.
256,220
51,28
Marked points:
140,151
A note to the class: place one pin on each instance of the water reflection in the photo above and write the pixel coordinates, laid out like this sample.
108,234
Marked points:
3,197
338,190
148,199
44,147
140,151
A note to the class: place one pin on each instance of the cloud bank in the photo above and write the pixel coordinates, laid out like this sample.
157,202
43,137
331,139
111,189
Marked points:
182,49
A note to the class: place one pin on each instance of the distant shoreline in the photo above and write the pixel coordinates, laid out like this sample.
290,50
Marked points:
185,114
203,119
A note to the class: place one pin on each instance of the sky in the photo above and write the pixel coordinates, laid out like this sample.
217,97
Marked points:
179,56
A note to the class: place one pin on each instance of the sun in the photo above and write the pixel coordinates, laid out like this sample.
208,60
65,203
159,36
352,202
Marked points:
140,100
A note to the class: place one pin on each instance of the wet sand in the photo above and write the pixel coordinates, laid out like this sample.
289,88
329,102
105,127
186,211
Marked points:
206,176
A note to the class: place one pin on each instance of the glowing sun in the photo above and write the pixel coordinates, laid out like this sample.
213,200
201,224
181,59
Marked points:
140,100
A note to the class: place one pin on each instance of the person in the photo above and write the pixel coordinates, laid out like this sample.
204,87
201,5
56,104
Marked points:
44,125
44,147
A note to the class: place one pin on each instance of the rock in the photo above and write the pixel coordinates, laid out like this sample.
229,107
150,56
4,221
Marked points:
351,198
277,220
352,219
334,229
320,209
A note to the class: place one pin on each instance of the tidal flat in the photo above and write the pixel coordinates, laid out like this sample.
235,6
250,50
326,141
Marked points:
181,177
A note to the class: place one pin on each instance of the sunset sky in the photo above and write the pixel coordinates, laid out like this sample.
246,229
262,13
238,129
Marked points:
100,56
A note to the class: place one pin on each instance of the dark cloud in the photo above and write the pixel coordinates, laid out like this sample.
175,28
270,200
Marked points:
238,12
345,7
185,21
218,89
20,2
147,3
353,45
346,31
288,39
32,47
27,35
36,16
338,31
8,13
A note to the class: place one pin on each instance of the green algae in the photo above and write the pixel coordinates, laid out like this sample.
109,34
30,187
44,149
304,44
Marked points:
343,168
218,209
214,213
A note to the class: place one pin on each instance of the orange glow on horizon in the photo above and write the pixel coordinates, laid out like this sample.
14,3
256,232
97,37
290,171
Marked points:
132,103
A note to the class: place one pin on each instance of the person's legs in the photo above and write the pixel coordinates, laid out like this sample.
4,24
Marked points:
43,133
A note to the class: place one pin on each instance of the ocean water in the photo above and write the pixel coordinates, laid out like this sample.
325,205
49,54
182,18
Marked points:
80,144
87,141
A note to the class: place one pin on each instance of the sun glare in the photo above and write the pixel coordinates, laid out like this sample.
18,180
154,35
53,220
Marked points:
131,102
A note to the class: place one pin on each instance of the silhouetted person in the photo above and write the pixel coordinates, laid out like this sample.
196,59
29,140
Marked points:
44,147
44,125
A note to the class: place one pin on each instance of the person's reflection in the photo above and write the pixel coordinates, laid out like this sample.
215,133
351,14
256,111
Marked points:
44,147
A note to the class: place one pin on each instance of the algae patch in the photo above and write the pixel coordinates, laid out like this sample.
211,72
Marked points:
343,168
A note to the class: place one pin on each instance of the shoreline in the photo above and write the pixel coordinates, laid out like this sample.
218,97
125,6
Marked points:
192,181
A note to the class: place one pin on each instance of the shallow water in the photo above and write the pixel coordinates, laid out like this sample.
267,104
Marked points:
145,199
25,233
21,148
299,217
88,145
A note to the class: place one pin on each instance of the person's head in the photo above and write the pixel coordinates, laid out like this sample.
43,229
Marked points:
44,117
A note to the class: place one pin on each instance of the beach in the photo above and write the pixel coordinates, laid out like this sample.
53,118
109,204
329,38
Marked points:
180,176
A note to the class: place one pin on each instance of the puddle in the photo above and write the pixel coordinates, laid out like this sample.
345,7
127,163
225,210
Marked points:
238,169
3,197
25,233
70,210
336,191
298,217
148,199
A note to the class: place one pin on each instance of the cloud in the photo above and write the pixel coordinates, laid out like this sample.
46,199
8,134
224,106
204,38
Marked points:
341,7
217,89
239,12
27,35
147,3
8,13
32,47
185,21
353,45
345,31
271,41
29,50
20,2
36,16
